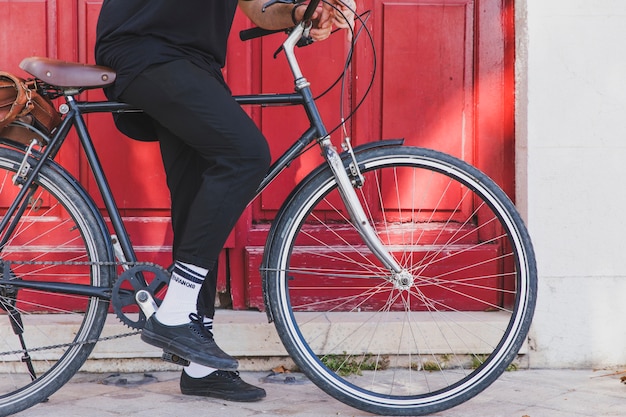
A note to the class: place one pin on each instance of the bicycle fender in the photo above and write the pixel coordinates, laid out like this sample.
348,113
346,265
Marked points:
378,144
345,156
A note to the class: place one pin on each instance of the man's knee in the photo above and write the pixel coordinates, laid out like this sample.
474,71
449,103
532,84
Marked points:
261,166
256,154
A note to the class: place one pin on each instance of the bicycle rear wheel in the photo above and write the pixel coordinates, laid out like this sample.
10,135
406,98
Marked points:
45,336
413,343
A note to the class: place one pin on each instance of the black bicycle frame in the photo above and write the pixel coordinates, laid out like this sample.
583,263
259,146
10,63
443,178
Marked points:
74,118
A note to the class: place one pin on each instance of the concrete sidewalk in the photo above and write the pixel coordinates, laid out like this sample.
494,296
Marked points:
532,393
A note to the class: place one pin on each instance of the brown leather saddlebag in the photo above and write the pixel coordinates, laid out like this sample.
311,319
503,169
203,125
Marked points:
20,101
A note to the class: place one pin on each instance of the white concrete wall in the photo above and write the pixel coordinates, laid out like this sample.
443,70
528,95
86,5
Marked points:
571,136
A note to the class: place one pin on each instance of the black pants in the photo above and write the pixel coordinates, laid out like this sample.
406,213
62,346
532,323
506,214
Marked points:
214,158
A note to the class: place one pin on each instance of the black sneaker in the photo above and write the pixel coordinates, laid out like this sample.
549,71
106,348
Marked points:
221,384
191,341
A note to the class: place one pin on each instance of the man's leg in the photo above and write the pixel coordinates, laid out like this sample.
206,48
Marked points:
201,113
198,379
208,161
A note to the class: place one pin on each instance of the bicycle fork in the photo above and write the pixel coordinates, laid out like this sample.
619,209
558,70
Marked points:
346,190
354,207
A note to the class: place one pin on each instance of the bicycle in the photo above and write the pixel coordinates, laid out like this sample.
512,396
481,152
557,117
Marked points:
414,263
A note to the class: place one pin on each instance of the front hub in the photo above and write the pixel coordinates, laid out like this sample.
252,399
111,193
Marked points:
403,280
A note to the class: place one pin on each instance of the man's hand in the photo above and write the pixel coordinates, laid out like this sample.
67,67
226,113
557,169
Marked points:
337,12
322,20
280,16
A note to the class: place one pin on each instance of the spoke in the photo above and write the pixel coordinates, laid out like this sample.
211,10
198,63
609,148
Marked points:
342,239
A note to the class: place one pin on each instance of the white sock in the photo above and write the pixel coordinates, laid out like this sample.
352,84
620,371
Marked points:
182,294
195,370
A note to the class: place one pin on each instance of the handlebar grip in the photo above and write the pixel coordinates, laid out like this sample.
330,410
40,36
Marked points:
252,33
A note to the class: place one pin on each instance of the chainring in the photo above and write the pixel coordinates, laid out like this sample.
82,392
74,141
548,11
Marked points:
129,283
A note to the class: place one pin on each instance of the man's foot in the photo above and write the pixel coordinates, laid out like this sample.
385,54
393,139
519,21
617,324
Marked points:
221,384
191,341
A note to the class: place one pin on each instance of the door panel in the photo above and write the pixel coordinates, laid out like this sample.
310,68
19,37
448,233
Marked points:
427,75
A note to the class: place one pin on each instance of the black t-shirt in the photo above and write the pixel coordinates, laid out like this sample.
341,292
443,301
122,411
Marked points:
134,34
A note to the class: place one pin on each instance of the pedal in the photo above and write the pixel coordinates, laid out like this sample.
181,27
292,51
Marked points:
175,359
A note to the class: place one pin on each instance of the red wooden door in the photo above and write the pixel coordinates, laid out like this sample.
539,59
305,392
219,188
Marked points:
444,81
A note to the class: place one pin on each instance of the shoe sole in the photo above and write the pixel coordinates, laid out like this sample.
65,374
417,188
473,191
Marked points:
186,353
220,395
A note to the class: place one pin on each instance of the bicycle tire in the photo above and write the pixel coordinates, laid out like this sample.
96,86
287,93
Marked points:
59,238
406,347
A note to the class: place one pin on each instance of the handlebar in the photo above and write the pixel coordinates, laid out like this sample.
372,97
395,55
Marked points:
257,32
310,9
252,33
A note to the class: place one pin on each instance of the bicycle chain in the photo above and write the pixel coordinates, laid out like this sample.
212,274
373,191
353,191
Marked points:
71,344
83,342
100,263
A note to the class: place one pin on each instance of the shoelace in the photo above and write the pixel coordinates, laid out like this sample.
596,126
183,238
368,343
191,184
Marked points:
227,374
202,328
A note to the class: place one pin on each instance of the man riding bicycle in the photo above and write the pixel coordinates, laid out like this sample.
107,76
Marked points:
168,57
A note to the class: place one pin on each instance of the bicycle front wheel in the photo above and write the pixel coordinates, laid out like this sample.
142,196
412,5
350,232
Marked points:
425,339
46,335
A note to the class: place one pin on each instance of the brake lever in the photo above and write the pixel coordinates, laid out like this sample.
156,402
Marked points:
273,2
305,41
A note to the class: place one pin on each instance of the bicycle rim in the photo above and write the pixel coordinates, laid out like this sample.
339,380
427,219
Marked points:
417,343
56,240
